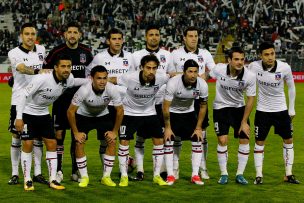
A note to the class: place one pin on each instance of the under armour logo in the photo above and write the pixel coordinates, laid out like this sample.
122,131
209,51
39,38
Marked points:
107,63
260,74
90,100
48,90
25,59
182,59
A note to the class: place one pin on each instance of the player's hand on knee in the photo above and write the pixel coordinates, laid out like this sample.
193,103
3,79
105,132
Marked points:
168,134
80,137
19,125
197,133
245,128
110,136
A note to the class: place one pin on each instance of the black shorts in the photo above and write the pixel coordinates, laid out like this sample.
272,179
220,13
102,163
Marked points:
197,109
59,112
146,126
183,125
280,120
37,127
11,125
226,117
102,124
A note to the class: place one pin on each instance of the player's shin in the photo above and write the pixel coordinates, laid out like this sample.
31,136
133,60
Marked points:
196,157
108,165
258,159
157,154
82,166
26,163
243,155
139,153
15,155
38,152
222,157
51,160
288,155
123,156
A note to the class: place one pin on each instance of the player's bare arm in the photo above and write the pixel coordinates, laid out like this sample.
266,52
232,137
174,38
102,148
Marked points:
79,136
168,131
248,108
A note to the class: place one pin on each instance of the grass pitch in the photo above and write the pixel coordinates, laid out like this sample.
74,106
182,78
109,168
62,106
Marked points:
272,190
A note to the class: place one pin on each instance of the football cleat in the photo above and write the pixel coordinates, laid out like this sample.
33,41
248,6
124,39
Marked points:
84,181
223,180
158,180
108,181
258,180
124,181
241,180
28,185
14,180
170,180
40,179
197,180
131,164
138,177
291,179
59,176
204,175
57,186
176,173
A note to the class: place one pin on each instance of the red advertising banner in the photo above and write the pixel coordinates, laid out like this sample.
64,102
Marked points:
4,77
298,76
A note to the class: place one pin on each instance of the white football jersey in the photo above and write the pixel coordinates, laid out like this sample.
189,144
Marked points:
32,59
116,65
42,91
165,65
182,96
230,91
140,97
271,96
94,104
202,56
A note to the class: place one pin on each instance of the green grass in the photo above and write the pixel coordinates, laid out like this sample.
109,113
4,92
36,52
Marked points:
273,189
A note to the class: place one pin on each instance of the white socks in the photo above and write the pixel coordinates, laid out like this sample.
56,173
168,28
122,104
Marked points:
38,151
196,157
123,156
222,157
258,159
82,166
158,157
288,155
51,160
15,155
108,163
243,155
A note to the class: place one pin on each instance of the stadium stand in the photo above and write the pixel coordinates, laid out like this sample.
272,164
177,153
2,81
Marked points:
222,23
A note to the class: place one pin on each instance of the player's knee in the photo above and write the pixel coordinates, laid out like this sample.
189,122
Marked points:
50,144
27,146
288,141
222,140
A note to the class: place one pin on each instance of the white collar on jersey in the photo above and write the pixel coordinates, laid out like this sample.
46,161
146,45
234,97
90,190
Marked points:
187,51
26,50
239,77
152,51
272,70
121,54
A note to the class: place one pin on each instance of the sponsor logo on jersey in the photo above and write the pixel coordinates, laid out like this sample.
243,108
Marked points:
278,76
125,62
40,56
83,58
162,59
200,59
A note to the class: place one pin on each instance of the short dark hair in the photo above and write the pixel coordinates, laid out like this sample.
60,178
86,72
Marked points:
265,45
62,57
235,49
73,24
114,31
25,25
151,57
190,63
191,28
96,69
151,27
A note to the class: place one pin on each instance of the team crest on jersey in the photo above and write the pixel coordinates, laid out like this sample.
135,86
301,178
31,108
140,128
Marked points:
200,59
83,58
278,76
195,93
241,83
125,62
40,56
162,59
106,99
